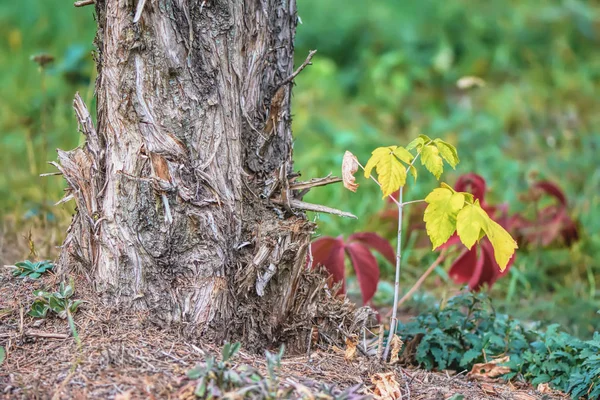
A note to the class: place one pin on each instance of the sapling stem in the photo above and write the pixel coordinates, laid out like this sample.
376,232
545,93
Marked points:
394,319
400,206
418,284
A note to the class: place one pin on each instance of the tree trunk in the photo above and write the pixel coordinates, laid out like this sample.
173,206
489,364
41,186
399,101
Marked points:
173,186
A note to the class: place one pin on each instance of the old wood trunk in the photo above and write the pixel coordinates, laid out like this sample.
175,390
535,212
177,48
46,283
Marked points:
192,142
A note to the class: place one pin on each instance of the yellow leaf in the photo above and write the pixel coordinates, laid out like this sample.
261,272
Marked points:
469,223
441,213
391,173
376,156
504,245
403,154
416,143
448,152
430,158
413,172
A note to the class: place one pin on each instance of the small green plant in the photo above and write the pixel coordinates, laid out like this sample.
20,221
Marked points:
2,355
448,211
467,330
218,379
33,270
214,376
60,303
224,380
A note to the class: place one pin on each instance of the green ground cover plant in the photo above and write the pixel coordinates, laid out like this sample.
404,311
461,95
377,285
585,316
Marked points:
468,330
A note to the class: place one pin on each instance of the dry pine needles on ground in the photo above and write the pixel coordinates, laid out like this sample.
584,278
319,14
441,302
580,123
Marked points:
123,356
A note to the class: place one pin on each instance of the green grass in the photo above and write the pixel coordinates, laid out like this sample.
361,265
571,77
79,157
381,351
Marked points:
36,116
385,71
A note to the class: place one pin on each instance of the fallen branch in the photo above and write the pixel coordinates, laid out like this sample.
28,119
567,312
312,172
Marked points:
40,334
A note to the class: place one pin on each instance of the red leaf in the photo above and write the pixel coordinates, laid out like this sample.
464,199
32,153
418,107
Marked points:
550,189
477,270
367,270
551,222
375,242
490,271
452,241
472,183
329,252
462,269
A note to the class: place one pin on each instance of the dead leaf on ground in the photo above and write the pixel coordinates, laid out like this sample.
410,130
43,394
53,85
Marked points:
524,396
386,386
489,371
124,396
351,343
349,168
396,346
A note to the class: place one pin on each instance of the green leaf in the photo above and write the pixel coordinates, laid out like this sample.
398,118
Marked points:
2,355
75,305
431,159
201,388
195,372
391,173
469,356
448,152
24,264
504,245
39,309
469,223
441,213
67,292
56,305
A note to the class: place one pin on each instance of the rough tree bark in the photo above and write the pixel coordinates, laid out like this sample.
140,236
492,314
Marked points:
176,184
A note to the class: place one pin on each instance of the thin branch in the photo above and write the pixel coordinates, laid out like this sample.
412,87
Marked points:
314,183
412,202
302,205
418,284
300,68
51,174
84,3
394,320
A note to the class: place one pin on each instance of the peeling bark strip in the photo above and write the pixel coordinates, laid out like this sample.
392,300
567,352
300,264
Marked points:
173,185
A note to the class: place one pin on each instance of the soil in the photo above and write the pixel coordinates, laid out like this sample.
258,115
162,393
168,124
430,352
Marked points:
123,356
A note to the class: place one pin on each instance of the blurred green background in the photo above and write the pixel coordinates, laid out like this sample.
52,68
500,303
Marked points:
385,71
